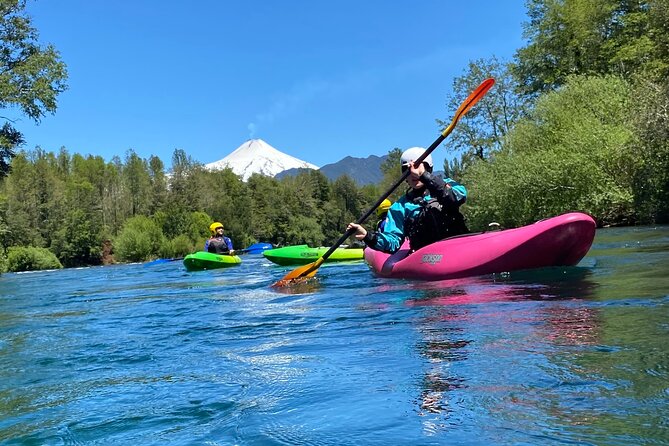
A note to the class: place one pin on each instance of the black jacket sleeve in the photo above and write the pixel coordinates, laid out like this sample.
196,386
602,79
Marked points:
441,191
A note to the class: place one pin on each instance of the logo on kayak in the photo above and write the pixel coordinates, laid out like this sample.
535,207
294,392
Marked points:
308,254
431,258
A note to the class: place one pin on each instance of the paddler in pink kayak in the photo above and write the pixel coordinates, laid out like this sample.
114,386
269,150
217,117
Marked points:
429,211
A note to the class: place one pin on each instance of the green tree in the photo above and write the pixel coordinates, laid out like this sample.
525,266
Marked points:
10,139
158,184
30,258
31,75
4,226
179,246
571,37
92,169
137,182
303,229
574,152
23,204
175,222
481,131
49,189
114,205
264,202
77,242
650,120
299,201
564,38
453,168
225,197
77,239
181,183
3,261
141,239
349,204
391,170
639,39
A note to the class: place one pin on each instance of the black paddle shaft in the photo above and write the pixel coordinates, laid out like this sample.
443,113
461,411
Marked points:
365,216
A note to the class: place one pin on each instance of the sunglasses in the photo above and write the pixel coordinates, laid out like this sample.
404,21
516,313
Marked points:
405,167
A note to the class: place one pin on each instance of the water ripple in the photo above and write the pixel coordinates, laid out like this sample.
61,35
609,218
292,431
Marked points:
152,354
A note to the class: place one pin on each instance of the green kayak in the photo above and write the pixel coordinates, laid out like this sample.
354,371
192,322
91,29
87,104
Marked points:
206,260
303,254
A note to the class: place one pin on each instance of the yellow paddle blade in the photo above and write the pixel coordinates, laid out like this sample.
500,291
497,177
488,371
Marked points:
299,274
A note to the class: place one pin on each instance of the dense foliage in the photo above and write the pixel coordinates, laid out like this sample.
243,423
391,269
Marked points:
574,152
578,121
29,258
567,37
31,75
77,206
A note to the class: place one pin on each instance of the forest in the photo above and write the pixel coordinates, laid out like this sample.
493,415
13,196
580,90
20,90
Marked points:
577,121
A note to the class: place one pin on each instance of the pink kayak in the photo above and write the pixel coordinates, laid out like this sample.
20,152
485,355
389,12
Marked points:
559,241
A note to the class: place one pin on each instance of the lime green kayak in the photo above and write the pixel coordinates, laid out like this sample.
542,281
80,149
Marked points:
303,254
206,260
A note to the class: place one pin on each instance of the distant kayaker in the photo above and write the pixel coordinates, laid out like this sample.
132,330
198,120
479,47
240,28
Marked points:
218,243
429,211
381,213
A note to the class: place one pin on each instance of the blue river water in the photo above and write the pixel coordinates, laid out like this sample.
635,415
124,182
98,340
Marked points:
149,354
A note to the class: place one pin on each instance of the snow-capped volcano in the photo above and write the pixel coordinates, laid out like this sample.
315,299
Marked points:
256,156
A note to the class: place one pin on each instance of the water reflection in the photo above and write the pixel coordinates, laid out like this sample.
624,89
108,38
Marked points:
306,286
452,314
438,379
543,284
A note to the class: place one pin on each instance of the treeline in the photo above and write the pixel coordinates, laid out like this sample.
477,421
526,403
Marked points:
86,211
579,120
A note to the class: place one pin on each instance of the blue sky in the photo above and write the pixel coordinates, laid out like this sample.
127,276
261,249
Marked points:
316,80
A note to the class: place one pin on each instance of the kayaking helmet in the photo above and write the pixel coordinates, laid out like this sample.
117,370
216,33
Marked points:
414,153
214,226
383,207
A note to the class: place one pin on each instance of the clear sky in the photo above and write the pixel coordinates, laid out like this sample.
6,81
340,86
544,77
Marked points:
318,80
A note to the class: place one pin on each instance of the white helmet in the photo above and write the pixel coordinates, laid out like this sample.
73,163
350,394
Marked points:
412,154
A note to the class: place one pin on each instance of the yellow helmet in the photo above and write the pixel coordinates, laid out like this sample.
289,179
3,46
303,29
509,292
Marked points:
214,226
383,207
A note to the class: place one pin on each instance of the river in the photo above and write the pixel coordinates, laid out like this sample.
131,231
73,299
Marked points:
150,354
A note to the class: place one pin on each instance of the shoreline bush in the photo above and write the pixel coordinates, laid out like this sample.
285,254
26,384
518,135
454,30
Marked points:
30,258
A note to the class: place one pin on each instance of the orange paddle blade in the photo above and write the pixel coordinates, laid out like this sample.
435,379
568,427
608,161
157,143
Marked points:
299,274
468,103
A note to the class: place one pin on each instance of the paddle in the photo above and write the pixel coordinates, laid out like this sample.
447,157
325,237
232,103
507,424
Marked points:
238,252
307,271
256,248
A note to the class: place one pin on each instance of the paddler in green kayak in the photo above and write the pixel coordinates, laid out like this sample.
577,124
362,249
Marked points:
218,243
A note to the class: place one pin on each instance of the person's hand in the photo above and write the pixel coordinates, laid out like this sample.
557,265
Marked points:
359,231
232,252
416,171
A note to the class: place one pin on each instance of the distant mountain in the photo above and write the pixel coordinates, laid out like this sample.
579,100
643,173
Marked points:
361,170
256,156
290,172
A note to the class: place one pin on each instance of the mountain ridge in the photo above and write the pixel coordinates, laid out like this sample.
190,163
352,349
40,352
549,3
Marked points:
361,170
